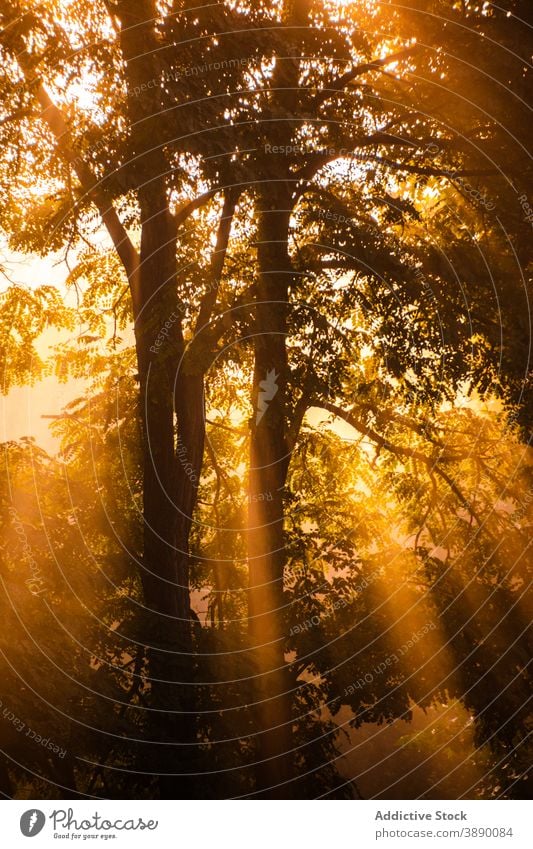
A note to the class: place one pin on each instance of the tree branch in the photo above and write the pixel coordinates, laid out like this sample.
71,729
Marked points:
53,117
202,347
428,171
218,259
375,65
189,206
308,171
399,450
16,116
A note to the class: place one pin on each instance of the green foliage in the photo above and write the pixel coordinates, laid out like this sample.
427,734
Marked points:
24,316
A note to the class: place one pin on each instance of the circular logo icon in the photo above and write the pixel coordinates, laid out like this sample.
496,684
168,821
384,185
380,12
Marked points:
32,822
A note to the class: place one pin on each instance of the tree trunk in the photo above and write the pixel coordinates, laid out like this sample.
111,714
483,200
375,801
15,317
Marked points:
268,471
166,592
169,490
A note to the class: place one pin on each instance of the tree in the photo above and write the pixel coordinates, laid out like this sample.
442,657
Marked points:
165,390
352,136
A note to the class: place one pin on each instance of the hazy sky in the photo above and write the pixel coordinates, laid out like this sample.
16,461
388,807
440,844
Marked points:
22,409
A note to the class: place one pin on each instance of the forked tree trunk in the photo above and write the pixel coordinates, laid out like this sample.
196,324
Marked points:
166,595
268,471
170,490
169,494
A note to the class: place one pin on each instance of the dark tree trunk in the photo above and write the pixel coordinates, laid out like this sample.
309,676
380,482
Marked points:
268,471
170,489
165,539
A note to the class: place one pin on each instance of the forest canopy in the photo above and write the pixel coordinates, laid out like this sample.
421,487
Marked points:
281,546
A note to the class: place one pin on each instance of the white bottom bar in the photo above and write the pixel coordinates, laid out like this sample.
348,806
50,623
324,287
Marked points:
268,825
